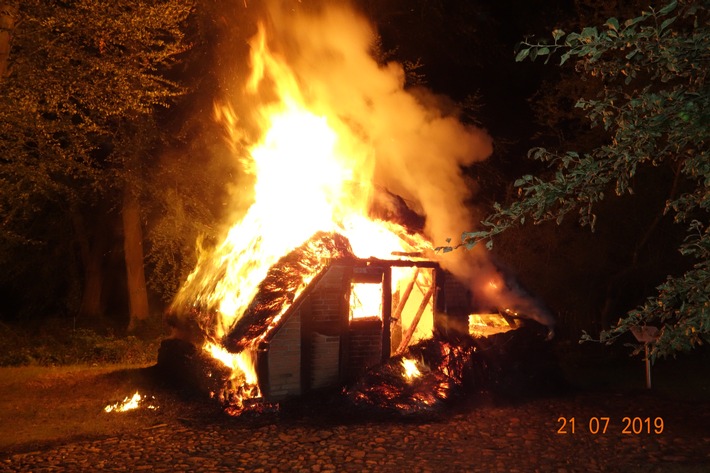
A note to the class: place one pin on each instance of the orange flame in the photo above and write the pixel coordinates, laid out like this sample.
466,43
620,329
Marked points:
483,325
310,176
411,370
128,404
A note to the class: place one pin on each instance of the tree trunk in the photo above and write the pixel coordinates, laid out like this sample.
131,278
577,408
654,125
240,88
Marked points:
91,247
8,18
133,251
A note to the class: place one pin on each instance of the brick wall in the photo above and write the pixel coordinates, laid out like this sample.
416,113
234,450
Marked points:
458,297
318,321
328,302
365,348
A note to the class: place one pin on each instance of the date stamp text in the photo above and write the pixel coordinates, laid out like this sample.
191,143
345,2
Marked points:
604,425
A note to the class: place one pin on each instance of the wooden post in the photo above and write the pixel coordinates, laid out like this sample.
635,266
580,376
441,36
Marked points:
648,368
386,312
440,294
646,334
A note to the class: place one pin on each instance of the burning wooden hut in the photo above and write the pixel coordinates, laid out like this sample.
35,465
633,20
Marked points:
322,317
315,281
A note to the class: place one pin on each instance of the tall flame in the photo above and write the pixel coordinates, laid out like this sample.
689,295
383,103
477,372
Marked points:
312,173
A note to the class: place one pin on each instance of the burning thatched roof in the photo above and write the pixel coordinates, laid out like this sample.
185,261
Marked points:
283,284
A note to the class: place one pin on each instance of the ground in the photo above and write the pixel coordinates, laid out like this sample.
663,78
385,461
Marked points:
52,419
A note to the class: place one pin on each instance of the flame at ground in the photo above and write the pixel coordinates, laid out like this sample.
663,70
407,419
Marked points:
129,403
243,382
411,370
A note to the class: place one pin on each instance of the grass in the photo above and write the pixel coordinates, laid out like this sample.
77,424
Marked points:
56,380
46,404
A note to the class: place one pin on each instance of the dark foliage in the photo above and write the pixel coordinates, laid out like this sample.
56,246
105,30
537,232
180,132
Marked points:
56,344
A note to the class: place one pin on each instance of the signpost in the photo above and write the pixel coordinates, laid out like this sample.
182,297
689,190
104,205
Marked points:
646,334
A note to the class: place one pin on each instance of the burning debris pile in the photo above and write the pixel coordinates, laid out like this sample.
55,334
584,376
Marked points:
426,378
454,367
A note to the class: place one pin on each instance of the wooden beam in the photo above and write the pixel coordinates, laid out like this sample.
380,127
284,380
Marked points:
410,331
394,263
405,295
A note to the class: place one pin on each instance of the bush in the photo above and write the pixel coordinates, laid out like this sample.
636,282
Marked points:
54,345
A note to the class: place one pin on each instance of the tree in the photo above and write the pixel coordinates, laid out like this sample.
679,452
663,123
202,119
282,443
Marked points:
653,107
8,15
77,122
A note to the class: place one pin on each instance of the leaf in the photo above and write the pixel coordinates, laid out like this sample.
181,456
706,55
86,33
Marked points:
668,8
667,22
557,34
589,32
612,24
466,236
522,54
543,51
633,21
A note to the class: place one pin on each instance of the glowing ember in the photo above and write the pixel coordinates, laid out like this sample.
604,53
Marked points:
411,370
483,325
129,403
